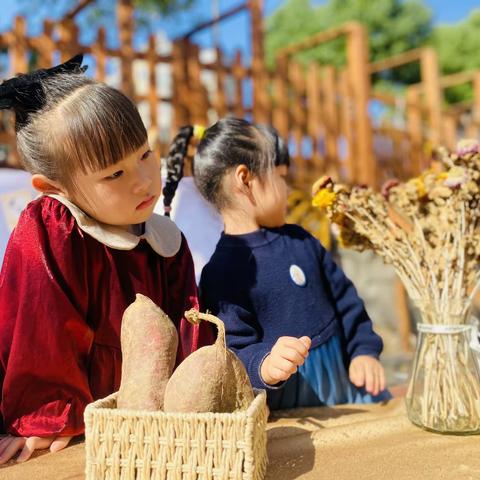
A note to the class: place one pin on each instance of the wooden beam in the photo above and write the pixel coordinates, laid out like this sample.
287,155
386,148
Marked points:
389,63
392,100
315,40
457,78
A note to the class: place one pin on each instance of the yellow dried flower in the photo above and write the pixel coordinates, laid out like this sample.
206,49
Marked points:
324,198
419,184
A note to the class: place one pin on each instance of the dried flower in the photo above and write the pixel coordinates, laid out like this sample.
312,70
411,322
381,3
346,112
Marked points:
323,198
466,146
387,186
428,228
455,177
419,184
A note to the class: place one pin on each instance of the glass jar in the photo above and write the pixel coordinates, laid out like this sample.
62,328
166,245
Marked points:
444,391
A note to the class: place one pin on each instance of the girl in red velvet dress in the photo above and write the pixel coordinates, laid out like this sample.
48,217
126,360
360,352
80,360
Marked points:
79,254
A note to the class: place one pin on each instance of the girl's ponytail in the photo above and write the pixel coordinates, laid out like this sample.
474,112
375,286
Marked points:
175,161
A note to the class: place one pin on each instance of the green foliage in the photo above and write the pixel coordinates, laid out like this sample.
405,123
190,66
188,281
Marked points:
458,48
164,7
394,26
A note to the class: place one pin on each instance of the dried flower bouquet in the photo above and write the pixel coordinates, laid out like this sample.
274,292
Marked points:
428,228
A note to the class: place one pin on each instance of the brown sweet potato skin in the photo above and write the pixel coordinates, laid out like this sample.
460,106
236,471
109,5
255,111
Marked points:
149,343
212,379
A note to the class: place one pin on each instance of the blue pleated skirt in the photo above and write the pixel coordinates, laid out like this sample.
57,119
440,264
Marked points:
322,380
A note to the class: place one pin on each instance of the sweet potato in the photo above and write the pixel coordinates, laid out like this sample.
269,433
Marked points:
212,379
149,343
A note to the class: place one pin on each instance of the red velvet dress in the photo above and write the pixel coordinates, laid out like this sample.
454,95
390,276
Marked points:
62,297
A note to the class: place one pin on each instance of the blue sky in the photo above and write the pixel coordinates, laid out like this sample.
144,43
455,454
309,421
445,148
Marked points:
233,32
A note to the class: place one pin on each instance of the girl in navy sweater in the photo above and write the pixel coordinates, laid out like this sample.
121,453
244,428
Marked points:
291,315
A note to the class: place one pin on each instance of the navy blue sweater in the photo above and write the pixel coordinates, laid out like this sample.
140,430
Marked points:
249,285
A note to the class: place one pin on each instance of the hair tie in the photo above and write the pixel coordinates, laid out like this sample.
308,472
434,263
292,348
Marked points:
199,131
24,93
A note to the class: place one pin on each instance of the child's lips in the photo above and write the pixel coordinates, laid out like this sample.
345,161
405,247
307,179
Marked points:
146,203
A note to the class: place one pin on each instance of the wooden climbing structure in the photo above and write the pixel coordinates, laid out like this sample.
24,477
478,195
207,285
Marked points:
326,114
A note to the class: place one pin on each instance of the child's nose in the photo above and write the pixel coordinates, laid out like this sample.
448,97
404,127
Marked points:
143,180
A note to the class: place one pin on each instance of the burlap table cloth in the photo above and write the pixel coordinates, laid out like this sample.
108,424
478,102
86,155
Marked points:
345,442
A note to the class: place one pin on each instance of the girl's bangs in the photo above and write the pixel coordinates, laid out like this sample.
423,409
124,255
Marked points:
100,129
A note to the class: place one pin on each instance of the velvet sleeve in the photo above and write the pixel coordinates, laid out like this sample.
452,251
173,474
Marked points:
183,295
355,322
44,339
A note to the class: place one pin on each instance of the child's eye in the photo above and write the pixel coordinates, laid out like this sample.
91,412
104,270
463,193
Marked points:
146,154
114,175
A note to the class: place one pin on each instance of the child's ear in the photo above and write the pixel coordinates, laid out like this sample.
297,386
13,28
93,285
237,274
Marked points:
243,176
45,185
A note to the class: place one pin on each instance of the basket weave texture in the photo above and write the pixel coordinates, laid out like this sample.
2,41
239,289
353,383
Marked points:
137,445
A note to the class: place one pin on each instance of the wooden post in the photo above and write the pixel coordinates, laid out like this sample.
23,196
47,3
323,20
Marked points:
126,27
359,79
346,127
432,91
260,112
476,101
238,74
18,50
68,36
314,117
449,128
330,113
280,113
220,97
179,83
46,45
99,51
414,130
198,99
152,85
297,114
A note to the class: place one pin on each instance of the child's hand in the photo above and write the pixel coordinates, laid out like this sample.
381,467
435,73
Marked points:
366,370
10,445
284,359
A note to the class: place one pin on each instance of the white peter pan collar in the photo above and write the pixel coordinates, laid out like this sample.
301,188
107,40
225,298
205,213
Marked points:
160,232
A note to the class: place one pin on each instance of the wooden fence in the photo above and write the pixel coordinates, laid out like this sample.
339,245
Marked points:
324,113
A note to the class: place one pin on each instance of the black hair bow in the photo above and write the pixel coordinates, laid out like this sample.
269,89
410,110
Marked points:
24,93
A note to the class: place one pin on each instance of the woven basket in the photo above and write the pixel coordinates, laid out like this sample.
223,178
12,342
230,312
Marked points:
137,445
